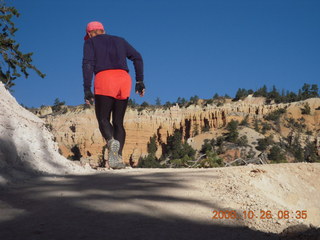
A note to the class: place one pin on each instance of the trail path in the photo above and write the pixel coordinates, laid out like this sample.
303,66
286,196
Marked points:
162,203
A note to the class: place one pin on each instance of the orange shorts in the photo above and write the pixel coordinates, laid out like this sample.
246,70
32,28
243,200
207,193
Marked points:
114,83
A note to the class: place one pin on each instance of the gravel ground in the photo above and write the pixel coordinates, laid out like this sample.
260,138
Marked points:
251,202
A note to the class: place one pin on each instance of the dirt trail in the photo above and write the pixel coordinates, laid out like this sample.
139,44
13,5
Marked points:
165,204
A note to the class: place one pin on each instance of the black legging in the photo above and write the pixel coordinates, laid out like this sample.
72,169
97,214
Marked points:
104,105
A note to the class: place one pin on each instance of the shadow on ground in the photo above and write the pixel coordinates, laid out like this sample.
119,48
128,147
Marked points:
106,206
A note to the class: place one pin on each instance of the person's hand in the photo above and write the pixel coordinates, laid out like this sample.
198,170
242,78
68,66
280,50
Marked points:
140,88
88,97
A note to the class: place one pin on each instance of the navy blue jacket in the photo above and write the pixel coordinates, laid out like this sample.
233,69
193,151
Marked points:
104,52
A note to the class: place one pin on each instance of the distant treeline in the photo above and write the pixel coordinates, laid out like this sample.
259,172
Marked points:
307,91
274,95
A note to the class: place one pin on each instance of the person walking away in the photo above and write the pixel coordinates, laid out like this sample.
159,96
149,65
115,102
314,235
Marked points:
105,57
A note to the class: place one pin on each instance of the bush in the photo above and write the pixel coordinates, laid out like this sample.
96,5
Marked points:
263,143
310,152
242,141
76,153
167,105
176,149
219,141
265,127
275,115
241,94
180,162
306,110
298,154
206,146
49,126
205,128
298,125
276,155
245,122
149,161
212,160
256,125
57,106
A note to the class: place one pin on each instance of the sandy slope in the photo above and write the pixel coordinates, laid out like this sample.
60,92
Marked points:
26,146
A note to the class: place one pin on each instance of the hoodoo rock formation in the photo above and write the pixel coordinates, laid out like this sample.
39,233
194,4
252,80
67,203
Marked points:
77,131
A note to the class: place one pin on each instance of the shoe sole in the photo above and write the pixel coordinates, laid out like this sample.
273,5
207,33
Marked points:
114,153
118,165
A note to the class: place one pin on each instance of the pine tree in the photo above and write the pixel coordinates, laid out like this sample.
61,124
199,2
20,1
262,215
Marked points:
274,95
261,92
232,135
276,155
13,62
314,91
152,145
194,99
305,91
216,96
158,101
241,93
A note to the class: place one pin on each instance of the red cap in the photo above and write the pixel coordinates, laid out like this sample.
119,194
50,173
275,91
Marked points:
93,26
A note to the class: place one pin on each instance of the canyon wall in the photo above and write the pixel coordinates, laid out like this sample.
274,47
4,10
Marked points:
77,129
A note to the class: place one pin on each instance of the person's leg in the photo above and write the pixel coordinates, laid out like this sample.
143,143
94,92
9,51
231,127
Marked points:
103,108
118,113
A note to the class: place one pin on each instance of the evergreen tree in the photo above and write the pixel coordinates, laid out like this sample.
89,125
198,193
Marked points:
263,143
310,152
276,155
13,62
314,91
152,145
241,93
256,125
194,99
176,149
216,96
206,146
232,135
132,103
274,95
261,92
299,97
250,91
150,161
144,104
158,102
167,105
298,154
305,91
291,97
57,105
181,101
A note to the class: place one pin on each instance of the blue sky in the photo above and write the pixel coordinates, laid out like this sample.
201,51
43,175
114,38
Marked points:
190,47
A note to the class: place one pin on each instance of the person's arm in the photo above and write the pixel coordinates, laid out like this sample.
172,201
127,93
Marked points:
88,69
136,58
